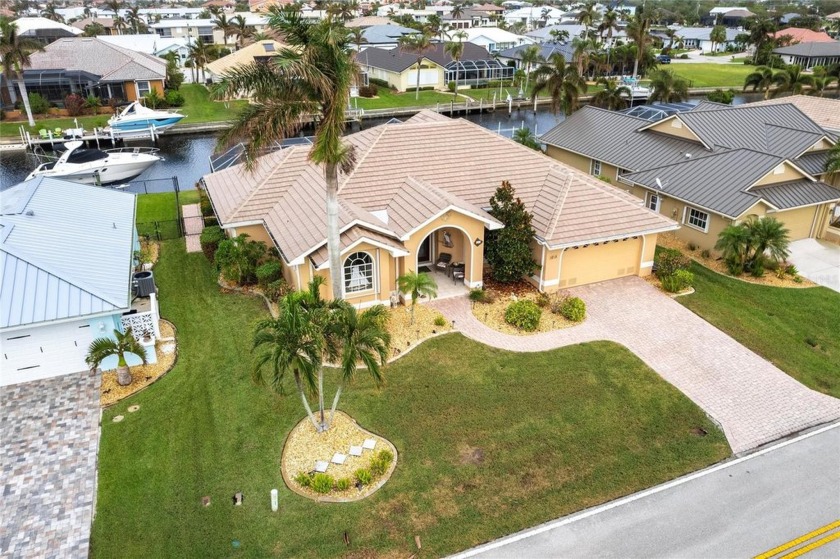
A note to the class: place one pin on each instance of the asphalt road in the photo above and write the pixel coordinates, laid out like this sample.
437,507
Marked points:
741,508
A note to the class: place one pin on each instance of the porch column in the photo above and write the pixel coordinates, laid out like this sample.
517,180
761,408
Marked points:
155,315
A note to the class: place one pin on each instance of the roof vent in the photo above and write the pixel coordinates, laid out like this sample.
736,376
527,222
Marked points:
688,156
30,213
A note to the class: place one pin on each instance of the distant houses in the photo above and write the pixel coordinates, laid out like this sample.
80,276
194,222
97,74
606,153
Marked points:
809,55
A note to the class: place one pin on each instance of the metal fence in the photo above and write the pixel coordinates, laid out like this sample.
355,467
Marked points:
149,186
161,230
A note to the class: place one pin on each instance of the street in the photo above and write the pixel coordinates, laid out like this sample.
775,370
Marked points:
783,501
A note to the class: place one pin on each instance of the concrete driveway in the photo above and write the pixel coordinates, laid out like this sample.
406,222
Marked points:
49,440
819,261
752,400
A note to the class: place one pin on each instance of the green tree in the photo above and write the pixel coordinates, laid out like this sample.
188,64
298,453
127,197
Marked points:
791,80
746,246
509,249
418,44
222,24
525,137
174,75
588,16
759,30
529,56
638,31
50,13
134,20
832,164
199,54
312,75
94,30
562,82
734,244
121,344
760,80
455,49
722,96
418,285
717,36
613,97
15,52
667,87
238,258
241,29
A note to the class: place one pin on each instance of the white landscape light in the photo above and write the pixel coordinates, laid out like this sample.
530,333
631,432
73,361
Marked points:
274,501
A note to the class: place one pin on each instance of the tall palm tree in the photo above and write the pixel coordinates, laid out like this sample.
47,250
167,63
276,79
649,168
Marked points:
667,87
120,345
760,80
529,56
357,37
313,75
222,24
241,29
457,11
119,24
588,16
419,285
14,54
418,44
135,20
199,53
791,80
760,30
638,31
613,97
609,24
50,13
580,56
114,5
562,81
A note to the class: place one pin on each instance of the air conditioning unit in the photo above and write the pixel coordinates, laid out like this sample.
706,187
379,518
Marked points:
144,284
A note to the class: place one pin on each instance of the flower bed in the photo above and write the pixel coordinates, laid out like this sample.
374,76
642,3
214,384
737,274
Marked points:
493,314
405,336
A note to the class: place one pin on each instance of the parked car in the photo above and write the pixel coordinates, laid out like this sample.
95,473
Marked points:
663,59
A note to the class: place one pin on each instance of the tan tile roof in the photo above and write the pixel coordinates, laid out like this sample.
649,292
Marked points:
351,236
406,173
244,56
822,110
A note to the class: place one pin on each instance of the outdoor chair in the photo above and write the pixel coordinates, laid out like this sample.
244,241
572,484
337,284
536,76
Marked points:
458,273
43,133
57,131
444,258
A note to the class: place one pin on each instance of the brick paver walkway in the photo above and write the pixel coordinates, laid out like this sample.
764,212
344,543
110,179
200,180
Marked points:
752,400
193,224
49,439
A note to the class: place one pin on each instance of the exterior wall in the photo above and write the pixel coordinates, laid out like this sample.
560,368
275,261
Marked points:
675,127
255,232
130,88
594,263
408,77
581,162
800,221
788,173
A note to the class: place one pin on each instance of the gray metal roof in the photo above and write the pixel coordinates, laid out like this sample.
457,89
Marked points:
704,33
385,34
811,49
397,60
813,163
66,251
546,50
797,193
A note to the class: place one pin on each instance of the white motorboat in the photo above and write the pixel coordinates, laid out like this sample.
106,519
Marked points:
637,92
136,117
93,166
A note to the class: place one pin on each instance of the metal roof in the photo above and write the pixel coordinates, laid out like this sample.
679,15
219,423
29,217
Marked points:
813,163
811,49
66,251
797,193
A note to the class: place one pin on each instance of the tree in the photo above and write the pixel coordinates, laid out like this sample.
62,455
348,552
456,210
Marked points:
717,36
94,30
419,285
114,5
613,97
222,24
525,137
760,30
734,244
832,164
134,20
174,75
15,52
638,31
609,24
559,35
199,54
509,249
455,49
241,29
357,37
562,82
760,80
119,24
50,13
238,258
457,11
121,344
791,80
667,87
746,246
312,75
588,16
418,44
529,56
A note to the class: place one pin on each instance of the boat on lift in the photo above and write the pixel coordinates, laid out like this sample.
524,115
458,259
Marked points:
93,166
638,92
136,117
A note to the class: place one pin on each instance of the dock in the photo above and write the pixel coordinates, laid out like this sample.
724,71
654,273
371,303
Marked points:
96,137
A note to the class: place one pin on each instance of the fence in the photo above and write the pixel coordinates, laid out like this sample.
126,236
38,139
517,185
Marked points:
161,230
149,186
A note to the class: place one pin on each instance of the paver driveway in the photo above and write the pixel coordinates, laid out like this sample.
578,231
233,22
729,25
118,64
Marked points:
48,444
752,400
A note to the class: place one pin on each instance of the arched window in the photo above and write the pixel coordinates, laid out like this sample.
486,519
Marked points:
358,272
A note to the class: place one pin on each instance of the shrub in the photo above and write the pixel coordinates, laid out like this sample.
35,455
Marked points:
573,308
692,247
721,96
780,273
303,479
705,253
684,57
477,295
678,281
797,279
363,476
543,300
791,270
174,98
38,104
275,290
811,341
368,91
154,100
771,265
440,321
269,272
238,258
205,204
452,86
322,483
380,83
381,462
210,239
93,103
74,104
343,484
757,270
670,260
523,314
605,178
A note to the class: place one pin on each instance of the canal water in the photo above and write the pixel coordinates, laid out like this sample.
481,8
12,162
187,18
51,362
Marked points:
187,156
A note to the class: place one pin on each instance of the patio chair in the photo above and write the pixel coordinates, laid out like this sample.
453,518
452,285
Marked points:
43,133
458,273
57,131
442,263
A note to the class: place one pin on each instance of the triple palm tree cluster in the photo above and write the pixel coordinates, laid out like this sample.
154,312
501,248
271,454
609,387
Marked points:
792,79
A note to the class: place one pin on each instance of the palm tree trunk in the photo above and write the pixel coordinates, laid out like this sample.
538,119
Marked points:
417,89
323,426
333,235
303,399
123,375
636,67
335,402
12,95
25,99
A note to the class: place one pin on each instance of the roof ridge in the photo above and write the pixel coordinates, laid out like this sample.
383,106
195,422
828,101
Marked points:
560,202
364,156
259,185
729,151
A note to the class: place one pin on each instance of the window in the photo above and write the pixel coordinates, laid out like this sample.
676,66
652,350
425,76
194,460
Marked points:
653,201
143,88
697,219
595,168
358,272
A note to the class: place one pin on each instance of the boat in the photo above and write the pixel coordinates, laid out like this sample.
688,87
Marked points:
637,92
137,117
93,166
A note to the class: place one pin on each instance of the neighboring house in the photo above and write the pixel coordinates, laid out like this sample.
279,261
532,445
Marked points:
809,55
93,66
384,36
801,35
151,44
107,23
534,16
399,67
400,211
260,51
193,29
514,56
710,167
729,17
493,39
265,5
544,34
66,263
700,38
44,30
369,21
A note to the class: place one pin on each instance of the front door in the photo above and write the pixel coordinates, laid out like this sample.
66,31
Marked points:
424,251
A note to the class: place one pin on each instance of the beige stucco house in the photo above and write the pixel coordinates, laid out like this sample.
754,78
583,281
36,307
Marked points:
712,166
421,189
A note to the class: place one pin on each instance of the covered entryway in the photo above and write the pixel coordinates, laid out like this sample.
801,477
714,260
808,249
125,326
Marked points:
446,254
45,351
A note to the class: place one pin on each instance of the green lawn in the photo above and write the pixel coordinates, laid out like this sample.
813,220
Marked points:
713,75
559,431
388,99
797,329
161,207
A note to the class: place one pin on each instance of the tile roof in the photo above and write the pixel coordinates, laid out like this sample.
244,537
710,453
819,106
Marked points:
822,110
65,251
802,35
245,55
392,191
95,56
350,237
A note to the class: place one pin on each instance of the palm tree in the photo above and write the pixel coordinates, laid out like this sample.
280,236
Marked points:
134,20
94,30
832,164
588,16
760,30
613,97
672,37
114,5
222,24
609,24
418,44
530,55
562,82
717,36
559,35
760,80
313,75
792,79
580,56
767,235
119,24
457,11
667,87
50,13
240,28
419,285
15,52
121,344
199,54
357,37
638,31
734,243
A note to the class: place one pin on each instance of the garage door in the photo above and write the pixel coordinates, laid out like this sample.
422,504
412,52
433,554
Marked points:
44,352
428,77
601,262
